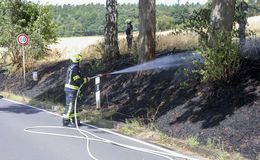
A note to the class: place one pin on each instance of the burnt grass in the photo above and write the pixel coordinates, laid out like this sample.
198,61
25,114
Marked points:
227,113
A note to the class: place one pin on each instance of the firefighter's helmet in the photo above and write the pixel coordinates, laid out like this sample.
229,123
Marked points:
76,58
128,21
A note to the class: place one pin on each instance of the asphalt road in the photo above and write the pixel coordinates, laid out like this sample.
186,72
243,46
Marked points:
16,144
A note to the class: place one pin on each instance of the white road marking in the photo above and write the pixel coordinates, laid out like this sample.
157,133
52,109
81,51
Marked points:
114,133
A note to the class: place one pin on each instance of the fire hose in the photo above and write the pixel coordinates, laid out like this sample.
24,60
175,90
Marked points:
85,134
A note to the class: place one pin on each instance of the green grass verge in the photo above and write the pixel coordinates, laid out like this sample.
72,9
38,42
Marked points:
189,146
92,116
44,105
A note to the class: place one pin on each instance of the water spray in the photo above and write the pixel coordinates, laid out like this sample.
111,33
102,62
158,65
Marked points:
166,62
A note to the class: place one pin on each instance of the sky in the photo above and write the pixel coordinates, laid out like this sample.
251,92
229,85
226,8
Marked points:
76,2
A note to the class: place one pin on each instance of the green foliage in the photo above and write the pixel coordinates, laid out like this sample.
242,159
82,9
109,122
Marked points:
211,143
164,22
199,21
193,141
226,156
86,20
80,20
254,7
221,60
127,11
18,17
131,127
10,70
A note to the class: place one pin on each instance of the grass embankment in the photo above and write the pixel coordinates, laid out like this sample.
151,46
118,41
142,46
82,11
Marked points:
91,115
26,100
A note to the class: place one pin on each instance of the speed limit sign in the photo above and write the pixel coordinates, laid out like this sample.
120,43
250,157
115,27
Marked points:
22,39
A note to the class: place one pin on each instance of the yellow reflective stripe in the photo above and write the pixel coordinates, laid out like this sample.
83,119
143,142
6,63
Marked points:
69,110
73,115
76,77
71,87
70,76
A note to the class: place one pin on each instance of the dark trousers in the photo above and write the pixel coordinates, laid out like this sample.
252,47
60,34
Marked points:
129,39
69,108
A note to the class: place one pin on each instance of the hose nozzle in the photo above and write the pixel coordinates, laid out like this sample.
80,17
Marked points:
105,74
100,75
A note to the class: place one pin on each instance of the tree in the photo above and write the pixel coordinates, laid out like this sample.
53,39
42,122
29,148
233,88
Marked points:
222,18
17,17
147,29
215,25
111,30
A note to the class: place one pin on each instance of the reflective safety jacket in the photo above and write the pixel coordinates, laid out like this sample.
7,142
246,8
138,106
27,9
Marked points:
129,29
73,78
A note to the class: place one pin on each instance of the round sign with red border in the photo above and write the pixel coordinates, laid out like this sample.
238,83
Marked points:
22,39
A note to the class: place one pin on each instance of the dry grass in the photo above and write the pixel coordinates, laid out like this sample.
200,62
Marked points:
93,51
72,45
254,24
181,41
92,47
165,41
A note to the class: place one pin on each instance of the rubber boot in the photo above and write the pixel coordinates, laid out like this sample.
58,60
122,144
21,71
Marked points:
74,123
65,122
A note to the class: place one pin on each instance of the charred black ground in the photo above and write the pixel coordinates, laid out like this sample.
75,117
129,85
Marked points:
177,102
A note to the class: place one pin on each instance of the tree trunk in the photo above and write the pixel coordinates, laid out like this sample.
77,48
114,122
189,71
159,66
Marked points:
222,18
111,30
147,30
242,9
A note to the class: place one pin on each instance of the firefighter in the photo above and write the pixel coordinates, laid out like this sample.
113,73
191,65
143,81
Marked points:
129,36
73,81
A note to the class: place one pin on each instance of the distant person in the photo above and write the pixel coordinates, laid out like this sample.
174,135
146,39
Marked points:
73,81
128,31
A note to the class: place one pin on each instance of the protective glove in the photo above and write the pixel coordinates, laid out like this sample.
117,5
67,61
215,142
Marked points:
86,79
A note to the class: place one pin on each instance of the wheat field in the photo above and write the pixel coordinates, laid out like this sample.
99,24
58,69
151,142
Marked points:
254,23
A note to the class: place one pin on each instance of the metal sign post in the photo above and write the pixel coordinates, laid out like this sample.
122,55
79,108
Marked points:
98,102
23,39
24,79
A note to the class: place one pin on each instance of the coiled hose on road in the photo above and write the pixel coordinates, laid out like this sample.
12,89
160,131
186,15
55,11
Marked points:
97,138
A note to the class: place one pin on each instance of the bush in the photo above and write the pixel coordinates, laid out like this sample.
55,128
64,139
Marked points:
18,17
193,141
221,61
